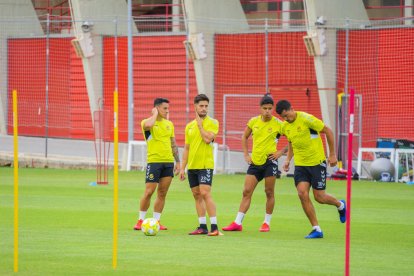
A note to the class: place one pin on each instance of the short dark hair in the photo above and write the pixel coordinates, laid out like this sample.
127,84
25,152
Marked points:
267,99
201,97
159,101
282,105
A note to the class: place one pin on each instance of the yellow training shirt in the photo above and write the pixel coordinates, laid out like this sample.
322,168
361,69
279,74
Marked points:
306,141
265,136
159,141
200,155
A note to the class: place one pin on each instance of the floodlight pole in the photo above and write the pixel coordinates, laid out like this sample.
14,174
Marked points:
349,179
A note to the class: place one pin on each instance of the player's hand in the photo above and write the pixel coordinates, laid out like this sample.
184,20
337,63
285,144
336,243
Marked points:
286,165
248,159
182,175
198,119
274,155
177,168
332,160
154,111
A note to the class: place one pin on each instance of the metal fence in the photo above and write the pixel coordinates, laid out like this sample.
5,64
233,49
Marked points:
63,78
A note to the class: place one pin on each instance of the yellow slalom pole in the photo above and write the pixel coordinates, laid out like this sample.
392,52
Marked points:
115,245
16,184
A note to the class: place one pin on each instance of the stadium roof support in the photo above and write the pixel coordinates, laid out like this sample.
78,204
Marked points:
200,16
94,18
318,14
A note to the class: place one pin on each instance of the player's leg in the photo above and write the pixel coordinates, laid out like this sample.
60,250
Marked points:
162,191
166,175
323,198
252,178
303,178
146,196
319,191
199,204
303,193
151,180
271,170
205,178
250,183
205,192
309,209
145,203
159,203
270,202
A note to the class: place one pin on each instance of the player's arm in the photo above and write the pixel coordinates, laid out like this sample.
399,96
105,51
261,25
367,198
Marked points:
207,136
176,155
278,153
288,157
245,137
149,122
332,160
184,161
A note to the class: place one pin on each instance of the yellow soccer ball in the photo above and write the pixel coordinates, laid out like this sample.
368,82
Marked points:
150,227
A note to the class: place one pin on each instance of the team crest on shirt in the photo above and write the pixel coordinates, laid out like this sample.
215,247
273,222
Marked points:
167,127
269,130
299,129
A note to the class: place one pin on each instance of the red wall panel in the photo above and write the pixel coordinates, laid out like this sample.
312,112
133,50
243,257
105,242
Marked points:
159,71
240,68
380,66
377,70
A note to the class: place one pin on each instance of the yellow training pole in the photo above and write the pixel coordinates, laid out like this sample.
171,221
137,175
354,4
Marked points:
16,184
115,245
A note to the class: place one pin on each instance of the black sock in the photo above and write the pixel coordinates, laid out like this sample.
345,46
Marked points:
213,227
204,226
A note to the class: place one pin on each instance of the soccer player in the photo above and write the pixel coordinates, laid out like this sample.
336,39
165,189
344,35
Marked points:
161,152
265,130
198,156
305,144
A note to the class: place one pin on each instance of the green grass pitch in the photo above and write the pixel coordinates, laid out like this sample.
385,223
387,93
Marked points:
65,228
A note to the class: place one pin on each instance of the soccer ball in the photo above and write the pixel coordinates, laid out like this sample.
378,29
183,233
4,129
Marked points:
150,227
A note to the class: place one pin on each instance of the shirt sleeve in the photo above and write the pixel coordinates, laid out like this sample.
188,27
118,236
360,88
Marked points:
187,140
251,122
314,123
143,130
213,126
173,131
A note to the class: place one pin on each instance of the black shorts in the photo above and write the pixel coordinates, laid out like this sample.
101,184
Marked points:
270,168
315,175
198,177
156,171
